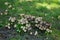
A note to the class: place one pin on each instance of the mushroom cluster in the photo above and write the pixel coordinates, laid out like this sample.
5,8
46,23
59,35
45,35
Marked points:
11,22
28,23
9,7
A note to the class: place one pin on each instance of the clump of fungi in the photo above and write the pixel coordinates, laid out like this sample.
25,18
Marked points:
32,24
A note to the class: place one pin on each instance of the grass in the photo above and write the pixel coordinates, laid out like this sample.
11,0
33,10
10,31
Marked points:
48,9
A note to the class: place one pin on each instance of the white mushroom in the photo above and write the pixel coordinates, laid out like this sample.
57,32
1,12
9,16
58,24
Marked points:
36,33
15,25
38,19
12,19
6,3
9,6
31,33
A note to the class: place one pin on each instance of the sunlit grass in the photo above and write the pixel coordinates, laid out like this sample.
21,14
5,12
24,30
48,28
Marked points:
48,6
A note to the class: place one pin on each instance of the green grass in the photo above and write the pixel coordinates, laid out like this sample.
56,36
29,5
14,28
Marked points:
49,10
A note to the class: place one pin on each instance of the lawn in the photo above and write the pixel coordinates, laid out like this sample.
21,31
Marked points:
12,11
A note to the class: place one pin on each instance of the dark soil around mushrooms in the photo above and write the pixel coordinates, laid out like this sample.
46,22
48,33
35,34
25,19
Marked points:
6,33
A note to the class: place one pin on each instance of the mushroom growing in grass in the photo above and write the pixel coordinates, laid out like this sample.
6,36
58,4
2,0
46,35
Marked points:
12,19
30,24
33,23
